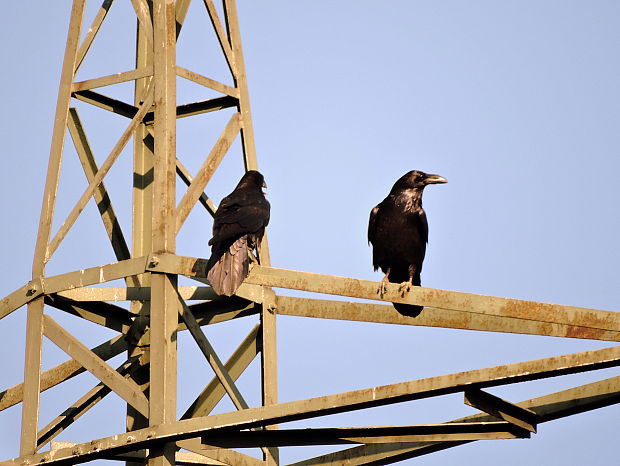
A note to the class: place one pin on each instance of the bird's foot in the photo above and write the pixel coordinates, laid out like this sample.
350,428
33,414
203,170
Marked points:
405,287
252,257
382,287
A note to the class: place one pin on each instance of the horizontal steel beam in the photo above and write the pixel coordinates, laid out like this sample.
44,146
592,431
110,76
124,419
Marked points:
443,299
207,82
106,103
430,297
502,409
333,404
548,407
112,79
99,312
364,435
434,317
125,293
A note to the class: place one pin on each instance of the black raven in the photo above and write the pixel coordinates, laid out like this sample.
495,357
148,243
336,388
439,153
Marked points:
238,227
398,232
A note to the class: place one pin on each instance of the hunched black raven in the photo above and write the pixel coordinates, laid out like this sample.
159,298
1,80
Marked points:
398,232
238,228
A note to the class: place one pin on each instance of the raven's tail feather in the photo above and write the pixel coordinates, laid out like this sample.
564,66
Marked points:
226,272
410,310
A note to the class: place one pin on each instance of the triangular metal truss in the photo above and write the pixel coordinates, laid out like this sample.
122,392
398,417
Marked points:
158,305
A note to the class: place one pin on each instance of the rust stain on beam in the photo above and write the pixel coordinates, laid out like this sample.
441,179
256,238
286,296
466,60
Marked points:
341,402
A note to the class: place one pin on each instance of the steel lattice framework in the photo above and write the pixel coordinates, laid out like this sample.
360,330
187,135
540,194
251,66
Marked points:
158,305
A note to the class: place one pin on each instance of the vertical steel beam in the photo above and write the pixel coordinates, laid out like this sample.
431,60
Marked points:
269,367
58,138
32,378
34,323
164,300
241,83
142,208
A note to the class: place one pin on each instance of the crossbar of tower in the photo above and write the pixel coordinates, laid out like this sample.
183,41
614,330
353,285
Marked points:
159,307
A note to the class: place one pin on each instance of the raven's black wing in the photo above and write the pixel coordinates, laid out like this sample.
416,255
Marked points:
242,212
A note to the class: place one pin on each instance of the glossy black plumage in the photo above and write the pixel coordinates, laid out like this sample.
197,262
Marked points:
398,232
238,227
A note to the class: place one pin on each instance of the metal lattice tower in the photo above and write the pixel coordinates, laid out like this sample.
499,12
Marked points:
147,331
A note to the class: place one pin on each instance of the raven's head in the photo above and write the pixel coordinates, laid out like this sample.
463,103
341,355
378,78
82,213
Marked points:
417,180
252,178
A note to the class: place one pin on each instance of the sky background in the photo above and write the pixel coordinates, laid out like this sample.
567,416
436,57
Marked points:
517,103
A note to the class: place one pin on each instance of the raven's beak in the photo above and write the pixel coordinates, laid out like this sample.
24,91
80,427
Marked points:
435,179
264,187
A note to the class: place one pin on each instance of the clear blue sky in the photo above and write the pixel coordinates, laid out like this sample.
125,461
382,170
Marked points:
517,103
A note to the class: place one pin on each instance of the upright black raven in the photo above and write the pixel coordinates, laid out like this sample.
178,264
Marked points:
238,227
398,232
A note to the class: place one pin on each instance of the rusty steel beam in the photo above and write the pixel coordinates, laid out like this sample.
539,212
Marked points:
32,377
63,371
181,12
101,313
207,82
19,297
364,435
144,18
434,317
444,299
58,139
139,456
187,178
164,298
93,275
236,364
359,399
548,408
203,106
94,184
501,409
80,407
206,171
123,387
226,456
211,356
106,103
111,79
101,196
222,36
92,33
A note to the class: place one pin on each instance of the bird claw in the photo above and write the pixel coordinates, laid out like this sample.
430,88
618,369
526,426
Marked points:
404,288
382,288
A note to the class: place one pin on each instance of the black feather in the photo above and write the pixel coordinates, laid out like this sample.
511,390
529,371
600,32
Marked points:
238,227
398,232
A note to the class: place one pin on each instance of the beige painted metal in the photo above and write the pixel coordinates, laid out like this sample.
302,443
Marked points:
126,389
102,199
164,301
94,184
92,33
608,392
207,170
58,139
236,364
112,79
80,407
62,372
548,407
148,330
434,317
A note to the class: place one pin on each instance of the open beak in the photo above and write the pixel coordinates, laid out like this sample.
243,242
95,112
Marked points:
435,179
